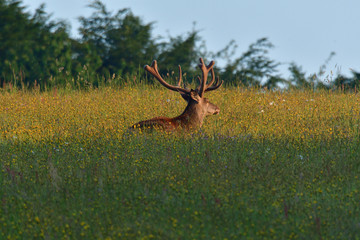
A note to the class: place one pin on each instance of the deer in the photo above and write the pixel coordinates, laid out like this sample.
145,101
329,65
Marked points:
198,107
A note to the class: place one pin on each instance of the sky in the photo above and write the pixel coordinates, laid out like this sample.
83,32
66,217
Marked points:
304,32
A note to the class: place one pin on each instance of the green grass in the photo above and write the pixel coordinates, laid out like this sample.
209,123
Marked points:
210,185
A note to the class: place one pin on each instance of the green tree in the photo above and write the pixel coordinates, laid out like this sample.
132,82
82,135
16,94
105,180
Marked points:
297,77
122,41
348,83
32,48
253,66
181,50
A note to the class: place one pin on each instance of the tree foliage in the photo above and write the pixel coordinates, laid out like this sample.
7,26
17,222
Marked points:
121,41
344,82
34,49
254,66
31,47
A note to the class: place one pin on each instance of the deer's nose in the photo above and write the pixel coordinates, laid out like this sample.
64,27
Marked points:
217,111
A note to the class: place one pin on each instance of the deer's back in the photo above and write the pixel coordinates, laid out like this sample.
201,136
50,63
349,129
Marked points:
161,123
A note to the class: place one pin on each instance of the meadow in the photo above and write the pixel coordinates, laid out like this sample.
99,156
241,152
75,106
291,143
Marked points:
271,165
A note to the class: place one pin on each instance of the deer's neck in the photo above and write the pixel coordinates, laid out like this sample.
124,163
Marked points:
192,117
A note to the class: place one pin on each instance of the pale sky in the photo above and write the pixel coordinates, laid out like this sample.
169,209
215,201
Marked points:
304,32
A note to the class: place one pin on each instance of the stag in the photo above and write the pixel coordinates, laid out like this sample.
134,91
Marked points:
197,107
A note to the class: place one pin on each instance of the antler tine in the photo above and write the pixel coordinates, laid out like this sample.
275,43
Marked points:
212,78
153,70
216,86
205,70
180,77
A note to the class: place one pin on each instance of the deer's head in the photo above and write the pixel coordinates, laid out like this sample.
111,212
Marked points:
198,106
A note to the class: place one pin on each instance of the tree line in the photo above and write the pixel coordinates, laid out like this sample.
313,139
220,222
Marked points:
112,47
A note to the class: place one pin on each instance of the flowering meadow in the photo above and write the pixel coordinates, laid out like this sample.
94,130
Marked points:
271,165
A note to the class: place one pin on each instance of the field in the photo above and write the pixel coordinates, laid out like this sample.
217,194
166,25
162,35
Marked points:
271,165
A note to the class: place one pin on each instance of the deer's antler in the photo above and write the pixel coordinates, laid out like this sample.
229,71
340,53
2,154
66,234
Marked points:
153,70
203,87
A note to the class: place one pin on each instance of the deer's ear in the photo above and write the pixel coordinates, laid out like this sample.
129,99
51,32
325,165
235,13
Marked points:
195,96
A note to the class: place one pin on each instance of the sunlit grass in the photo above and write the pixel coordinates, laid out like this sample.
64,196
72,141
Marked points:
257,114
270,165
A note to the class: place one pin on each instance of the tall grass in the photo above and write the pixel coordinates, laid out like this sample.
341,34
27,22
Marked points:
271,165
